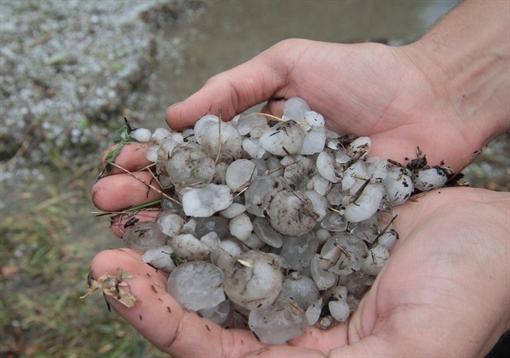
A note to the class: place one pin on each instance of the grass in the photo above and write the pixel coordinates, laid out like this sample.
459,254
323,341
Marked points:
47,239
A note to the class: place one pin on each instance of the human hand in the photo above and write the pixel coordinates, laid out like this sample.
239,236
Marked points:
444,292
362,89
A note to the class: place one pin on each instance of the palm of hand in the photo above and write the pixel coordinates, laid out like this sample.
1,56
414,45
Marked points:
426,301
362,89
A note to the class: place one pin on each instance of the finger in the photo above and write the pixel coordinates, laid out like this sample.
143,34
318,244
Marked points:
320,340
158,317
120,223
232,91
131,157
274,107
117,192
285,351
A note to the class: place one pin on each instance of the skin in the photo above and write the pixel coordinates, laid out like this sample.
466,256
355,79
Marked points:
445,290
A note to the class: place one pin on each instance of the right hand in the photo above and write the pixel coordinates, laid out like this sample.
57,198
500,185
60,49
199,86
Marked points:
387,93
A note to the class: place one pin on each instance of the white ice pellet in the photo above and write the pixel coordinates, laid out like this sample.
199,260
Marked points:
241,227
189,227
313,312
160,258
375,260
170,223
354,176
205,201
339,310
288,215
366,204
323,279
359,147
377,169
326,167
283,139
160,134
235,209
225,140
141,135
398,185
315,119
322,235
319,204
239,173
277,324
253,242
428,179
342,158
197,285
300,289
212,240
189,247
295,109
314,141
231,247
388,239
266,233
253,148
189,165
256,281
320,185
151,154
247,123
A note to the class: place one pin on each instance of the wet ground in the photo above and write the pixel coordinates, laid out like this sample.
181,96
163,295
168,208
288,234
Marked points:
47,234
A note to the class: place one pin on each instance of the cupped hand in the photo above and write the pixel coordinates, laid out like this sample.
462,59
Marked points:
388,93
444,291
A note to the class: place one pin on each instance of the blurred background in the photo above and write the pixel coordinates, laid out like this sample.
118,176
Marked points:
70,71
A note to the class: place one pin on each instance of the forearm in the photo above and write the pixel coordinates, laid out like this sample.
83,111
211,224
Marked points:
467,56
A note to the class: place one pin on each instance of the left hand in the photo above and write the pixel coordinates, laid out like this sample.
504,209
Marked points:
444,292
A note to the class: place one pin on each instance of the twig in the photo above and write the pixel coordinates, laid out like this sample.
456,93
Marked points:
141,181
129,210
275,118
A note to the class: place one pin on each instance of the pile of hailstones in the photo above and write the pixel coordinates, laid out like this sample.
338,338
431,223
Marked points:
276,224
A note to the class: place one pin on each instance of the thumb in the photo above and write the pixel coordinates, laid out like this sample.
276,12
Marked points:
233,91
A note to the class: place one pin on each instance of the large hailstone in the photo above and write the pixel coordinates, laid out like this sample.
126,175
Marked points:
398,185
189,166
141,135
189,247
266,233
295,109
283,139
250,122
169,223
261,191
203,202
241,227
278,323
314,141
239,174
197,285
428,179
298,251
366,205
208,136
300,289
256,280
144,236
291,214
160,258
326,167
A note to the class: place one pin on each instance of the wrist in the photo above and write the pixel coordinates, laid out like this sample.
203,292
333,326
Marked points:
466,57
